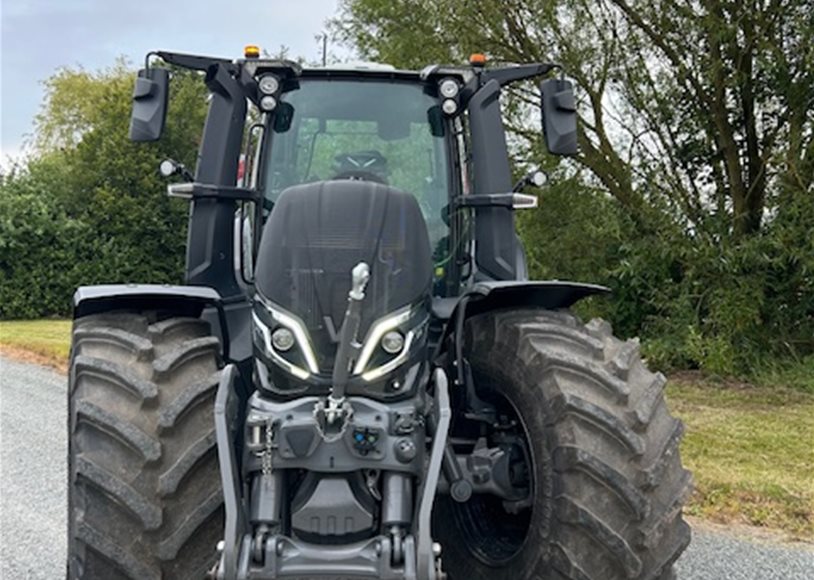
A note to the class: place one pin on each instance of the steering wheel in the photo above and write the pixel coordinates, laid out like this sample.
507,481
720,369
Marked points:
357,175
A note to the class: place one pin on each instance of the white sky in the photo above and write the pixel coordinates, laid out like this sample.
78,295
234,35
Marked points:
37,37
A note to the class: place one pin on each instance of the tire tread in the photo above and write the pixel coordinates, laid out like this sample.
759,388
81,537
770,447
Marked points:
142,381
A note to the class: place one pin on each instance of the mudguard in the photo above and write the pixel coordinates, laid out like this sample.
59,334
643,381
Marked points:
486,296
553,295
185,300
180,300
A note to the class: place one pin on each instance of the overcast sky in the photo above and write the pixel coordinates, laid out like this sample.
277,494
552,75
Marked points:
40,36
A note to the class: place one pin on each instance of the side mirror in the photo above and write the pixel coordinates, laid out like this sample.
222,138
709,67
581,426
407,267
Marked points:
150,97
559,116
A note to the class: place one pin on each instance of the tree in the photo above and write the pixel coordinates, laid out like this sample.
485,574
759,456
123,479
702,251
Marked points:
704,103
92,196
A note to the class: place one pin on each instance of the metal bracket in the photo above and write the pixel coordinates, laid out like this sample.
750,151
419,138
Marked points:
221,192
235,527
426,569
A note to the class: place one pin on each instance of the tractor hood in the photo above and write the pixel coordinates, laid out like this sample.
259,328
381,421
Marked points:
313,238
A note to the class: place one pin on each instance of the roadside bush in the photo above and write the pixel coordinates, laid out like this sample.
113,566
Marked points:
743,308
89,207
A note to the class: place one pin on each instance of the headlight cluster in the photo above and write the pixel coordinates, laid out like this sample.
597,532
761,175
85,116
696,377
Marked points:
387,345
286,332
269,86
449,88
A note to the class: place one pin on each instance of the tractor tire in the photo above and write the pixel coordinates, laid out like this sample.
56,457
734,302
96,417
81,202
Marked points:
144,499
608,486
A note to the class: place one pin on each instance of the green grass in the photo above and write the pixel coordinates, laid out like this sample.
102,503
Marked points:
48,340
751,449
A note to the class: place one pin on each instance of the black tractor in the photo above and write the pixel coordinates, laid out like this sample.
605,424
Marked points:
359,380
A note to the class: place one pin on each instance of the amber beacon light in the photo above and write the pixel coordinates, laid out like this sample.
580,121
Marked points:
477,59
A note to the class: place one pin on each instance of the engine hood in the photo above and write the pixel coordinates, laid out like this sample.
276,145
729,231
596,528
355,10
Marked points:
318,232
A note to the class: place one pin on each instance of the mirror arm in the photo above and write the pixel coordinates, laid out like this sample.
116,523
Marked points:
490,200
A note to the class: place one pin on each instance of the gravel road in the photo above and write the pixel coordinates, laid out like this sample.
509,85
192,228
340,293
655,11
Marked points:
33,502
32,472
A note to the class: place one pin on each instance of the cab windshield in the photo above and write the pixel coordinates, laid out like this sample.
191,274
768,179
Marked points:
391,132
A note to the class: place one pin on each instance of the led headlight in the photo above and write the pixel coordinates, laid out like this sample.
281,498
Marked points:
375,334
393,334
449,106
268,103
392,365
268,84
393,342
289,332
448,88
282,339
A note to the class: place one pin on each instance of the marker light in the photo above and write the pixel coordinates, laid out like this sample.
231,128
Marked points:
269,84
268,103
538,179
448,88
251,51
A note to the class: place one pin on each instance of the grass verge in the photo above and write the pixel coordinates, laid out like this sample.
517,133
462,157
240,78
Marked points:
751,449
42,341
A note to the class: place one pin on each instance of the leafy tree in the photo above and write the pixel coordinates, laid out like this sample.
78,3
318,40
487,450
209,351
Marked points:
90,206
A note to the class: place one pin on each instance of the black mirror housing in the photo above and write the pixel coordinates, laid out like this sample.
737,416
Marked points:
559,116
150,99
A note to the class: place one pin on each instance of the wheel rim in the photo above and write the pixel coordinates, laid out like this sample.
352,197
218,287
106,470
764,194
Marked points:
490,533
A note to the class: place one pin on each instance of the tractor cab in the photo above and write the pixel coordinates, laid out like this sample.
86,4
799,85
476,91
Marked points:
371,125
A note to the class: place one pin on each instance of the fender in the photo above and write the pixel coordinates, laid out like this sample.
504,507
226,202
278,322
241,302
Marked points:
186,300
552,295
181,300
487,296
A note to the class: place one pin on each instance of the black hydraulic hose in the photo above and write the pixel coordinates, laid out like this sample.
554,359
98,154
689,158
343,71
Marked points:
459,341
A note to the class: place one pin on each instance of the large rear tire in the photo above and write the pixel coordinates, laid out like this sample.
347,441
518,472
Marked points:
144,498
607,482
